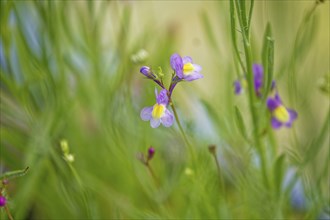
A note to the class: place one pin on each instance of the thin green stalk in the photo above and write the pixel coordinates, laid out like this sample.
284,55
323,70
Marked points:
222,182
8,213
252,99
190,148
152,173
81,186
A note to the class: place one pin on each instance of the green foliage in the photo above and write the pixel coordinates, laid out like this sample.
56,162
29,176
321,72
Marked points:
67,73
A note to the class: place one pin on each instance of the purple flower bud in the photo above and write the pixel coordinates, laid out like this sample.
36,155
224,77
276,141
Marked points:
151,152
2,201
145,70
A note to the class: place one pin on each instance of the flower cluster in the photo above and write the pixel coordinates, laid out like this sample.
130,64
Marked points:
280,115
184,70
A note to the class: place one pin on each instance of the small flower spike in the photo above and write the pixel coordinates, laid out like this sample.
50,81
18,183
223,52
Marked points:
158,114
280,114
184,68
3,201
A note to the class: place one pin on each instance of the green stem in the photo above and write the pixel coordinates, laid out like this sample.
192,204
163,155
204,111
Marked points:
81,186
8,213
152,173
189,146
222,182
240,10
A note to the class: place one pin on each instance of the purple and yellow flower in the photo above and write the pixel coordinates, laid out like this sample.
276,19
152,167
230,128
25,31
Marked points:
184,68
158,114
258,72
280,114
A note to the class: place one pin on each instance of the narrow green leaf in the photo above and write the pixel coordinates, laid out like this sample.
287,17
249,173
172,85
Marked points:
250,14
233,34
240,123
267,34
270,66
278,173
268,59
241,12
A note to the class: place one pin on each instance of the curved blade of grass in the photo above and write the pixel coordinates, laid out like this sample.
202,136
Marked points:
278,174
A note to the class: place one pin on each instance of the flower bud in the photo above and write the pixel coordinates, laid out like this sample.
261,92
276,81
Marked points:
151,152
145,70
3,201
64,146
212,149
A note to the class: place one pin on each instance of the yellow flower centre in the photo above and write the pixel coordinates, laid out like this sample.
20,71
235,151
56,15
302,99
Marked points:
188,68
158,111
281,114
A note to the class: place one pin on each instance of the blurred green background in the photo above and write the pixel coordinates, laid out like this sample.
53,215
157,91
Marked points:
70,71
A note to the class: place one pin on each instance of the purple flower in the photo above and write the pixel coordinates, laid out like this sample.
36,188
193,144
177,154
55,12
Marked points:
158,114
258,73
2,201
239,86
184,68
280,114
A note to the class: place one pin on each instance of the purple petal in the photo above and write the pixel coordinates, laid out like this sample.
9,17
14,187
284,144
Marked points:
162,97
258,71
293,116
154,123
272,104
278,98
275,123
146,113
197,68
177,65
168,119
257,86
145,70
238,87
187,59
273,86
193,76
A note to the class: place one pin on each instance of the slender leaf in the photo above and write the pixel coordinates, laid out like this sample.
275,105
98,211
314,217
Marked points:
240,123
278,173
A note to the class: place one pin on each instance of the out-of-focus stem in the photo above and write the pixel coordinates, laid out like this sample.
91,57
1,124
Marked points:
182,131
152,174
212,149
8,213
81,186
252,97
